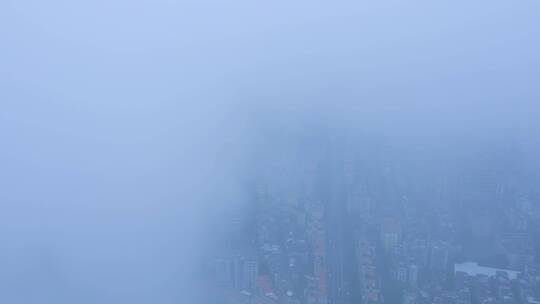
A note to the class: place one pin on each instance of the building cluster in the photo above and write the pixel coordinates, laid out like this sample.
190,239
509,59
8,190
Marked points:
383,239
421,257
368,279
286,262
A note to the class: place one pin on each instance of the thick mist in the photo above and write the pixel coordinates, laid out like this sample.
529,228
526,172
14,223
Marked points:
130,129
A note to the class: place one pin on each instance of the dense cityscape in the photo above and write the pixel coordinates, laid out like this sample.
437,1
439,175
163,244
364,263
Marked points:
353,231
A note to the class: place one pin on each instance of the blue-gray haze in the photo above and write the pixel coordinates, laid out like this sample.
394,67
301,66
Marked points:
128,128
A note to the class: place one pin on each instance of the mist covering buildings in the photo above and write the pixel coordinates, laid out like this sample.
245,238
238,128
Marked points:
279,152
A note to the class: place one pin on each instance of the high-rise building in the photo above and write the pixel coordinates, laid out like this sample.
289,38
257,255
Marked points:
223,272
250,273
390,234
412,275
439,258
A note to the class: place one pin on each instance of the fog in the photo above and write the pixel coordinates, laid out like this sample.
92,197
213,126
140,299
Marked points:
130,130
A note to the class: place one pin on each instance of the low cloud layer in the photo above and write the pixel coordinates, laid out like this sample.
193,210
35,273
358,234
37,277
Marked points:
129,127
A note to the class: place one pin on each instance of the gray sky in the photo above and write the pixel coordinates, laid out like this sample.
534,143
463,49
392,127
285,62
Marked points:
125,125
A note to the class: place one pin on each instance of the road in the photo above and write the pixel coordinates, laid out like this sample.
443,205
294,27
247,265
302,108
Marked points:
341,262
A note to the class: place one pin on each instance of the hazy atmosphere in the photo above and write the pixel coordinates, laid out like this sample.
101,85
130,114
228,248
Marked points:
269,152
